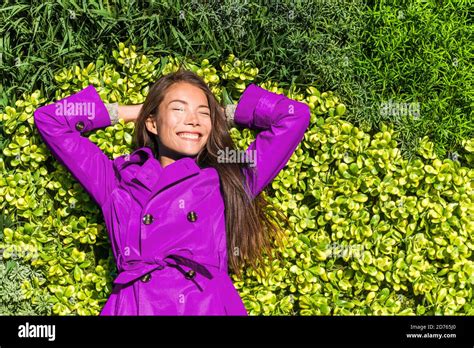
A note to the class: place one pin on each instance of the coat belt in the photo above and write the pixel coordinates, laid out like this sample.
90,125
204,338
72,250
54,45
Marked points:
134,268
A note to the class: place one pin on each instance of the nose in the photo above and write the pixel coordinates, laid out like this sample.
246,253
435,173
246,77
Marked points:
191,118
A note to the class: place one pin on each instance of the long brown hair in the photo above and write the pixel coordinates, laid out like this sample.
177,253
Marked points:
250,228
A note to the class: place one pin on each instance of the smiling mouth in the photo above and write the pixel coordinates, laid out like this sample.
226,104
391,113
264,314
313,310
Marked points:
189,136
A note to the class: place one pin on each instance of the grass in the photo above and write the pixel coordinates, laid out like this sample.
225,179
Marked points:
420,52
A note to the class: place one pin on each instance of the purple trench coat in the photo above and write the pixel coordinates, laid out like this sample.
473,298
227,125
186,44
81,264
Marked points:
167,225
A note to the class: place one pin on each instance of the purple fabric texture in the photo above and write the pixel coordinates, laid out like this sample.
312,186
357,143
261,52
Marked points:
167,225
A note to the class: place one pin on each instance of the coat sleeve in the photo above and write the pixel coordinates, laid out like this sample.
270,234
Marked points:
61,125
281,123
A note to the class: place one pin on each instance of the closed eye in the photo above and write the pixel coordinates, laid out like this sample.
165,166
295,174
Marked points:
204,113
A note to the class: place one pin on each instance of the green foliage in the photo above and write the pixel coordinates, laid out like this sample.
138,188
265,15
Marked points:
370,232
368,53
17,275
419,52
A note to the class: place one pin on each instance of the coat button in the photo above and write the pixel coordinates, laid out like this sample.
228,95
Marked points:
192,216
146,278
147,219
190,274
79,125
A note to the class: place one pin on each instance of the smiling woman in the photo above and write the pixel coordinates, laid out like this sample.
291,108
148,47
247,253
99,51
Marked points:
182,122
178,214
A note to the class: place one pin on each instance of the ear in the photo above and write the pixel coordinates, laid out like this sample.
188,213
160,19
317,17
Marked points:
150,124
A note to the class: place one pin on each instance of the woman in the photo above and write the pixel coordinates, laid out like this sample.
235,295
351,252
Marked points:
182,208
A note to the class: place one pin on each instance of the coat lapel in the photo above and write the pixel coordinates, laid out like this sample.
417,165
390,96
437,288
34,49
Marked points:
150,176
175,172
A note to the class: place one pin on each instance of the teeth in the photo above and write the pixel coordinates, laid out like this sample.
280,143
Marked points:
189,135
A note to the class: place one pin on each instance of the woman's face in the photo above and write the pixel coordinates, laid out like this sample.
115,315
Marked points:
184,121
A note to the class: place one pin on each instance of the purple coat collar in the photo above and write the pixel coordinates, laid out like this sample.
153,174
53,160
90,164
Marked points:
142,168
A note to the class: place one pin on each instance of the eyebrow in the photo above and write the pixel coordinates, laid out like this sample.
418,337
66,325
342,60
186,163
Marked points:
184,102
